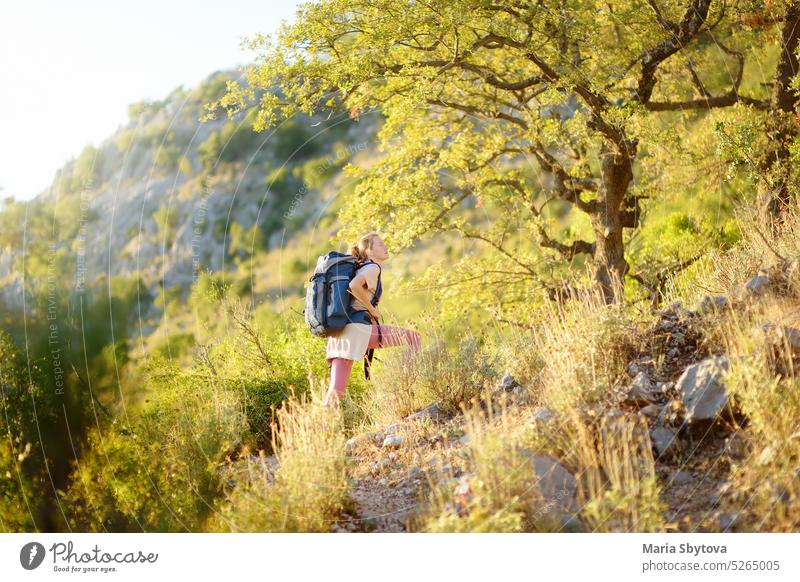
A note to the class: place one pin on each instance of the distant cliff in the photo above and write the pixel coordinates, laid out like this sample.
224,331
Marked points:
167,195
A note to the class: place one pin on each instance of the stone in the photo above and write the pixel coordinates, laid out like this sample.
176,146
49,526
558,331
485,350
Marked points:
414,472
714,499
519,395
665,325
711,303
664,442
633,369
681,478
766,455
353,443
757,286
782,335
554,507
703,390
392,441
671,412
431,412
541,415
651,410
738,445
641,390
612,412
450,470
394,428
726,521
508,383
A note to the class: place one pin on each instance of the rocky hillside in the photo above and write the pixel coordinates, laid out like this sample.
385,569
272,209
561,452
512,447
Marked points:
168,196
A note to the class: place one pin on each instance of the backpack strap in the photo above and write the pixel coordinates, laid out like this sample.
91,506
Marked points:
368,362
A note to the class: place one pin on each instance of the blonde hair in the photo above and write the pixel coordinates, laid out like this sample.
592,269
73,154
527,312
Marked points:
359,250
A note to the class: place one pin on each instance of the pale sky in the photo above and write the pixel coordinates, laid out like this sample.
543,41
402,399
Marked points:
70,68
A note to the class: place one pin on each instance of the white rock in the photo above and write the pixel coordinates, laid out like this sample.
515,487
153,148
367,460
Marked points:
702,389
641,389
664,441
392,441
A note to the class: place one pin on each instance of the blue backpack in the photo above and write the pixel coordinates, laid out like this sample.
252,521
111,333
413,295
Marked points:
328,298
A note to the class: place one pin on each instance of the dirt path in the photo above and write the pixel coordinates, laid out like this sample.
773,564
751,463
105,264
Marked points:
378,507
388,483
692,478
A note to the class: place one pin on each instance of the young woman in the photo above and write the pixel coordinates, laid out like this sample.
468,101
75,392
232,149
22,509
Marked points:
353,341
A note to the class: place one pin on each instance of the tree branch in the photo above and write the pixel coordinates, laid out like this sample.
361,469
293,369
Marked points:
478,112
666,23
693,19
497,246
567,251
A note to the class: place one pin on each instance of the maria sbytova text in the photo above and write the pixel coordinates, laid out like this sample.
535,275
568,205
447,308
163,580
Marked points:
694,550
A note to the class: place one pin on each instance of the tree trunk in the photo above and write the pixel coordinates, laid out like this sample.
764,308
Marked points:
609,255
781,125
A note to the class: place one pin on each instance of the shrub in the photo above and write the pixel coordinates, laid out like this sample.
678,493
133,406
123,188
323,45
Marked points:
32,452
160,470
408,381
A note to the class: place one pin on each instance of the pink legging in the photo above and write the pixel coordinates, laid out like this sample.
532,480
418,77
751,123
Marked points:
391,336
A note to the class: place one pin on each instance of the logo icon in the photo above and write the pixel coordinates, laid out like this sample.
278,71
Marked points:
31,555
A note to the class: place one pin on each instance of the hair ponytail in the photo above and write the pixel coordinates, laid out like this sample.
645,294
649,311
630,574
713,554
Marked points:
359,250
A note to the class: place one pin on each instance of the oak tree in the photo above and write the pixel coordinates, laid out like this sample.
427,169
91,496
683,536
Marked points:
476,92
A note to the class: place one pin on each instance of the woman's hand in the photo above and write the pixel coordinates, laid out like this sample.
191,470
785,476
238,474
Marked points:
361,294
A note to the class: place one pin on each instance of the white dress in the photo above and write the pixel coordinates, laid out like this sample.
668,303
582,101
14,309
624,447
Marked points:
353,339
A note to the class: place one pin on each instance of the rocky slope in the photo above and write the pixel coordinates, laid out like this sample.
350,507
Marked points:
167,195
677,389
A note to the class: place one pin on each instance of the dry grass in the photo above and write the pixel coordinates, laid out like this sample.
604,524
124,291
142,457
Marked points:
392,393
573,358
618,489
408,381
586,346
497,495
570,362
308,490
764,489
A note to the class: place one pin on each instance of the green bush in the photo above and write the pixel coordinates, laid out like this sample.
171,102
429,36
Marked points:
159,470
20,462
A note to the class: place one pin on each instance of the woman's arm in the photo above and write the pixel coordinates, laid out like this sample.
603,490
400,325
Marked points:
359,291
